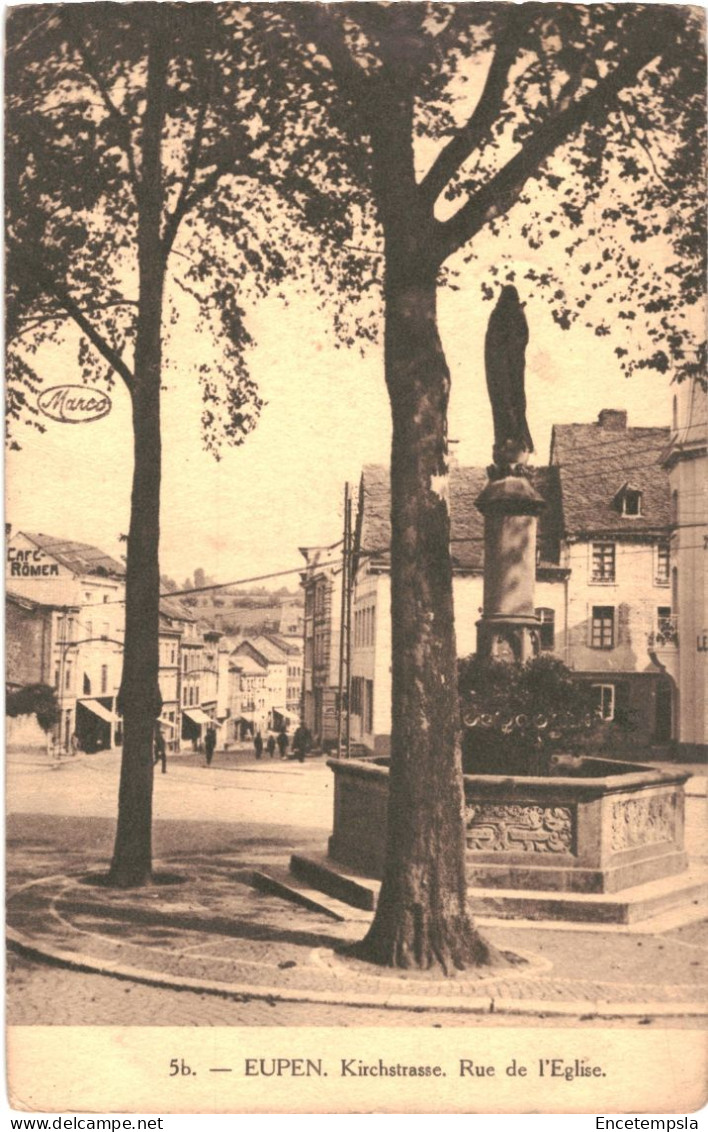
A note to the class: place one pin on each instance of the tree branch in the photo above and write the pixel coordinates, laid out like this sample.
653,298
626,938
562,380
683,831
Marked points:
318,24
182,206
456,152
114,113
43,277
497,196
60,316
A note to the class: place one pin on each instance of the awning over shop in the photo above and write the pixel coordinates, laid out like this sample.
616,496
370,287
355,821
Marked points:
285,713
197,715
166,722
99,710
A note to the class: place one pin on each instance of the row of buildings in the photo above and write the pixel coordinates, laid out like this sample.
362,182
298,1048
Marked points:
65,615
620,582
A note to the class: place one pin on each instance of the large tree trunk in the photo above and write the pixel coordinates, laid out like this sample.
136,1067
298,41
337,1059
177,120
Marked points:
139,698
422,919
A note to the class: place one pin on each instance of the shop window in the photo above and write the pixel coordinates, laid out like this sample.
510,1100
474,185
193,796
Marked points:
603,627
603,562
604,701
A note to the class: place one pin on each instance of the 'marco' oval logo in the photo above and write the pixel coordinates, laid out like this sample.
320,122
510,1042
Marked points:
74,404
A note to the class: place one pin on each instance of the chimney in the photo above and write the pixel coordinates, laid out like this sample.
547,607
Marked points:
615,419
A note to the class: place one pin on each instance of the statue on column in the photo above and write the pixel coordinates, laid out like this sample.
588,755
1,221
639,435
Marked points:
504,358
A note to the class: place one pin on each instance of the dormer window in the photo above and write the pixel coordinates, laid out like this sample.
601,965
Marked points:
628,501
632,503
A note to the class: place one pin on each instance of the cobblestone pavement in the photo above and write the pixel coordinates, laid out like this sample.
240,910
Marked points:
52,996
214,929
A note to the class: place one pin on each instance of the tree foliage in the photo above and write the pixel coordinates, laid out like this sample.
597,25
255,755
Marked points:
34,699
579,129
517,715
76,89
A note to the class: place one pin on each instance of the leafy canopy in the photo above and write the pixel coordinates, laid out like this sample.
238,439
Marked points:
571,127
233,190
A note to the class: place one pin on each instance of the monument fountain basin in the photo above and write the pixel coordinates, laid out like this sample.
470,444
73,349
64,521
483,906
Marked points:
593,826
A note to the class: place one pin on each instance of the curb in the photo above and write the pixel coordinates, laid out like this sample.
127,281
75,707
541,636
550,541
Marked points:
482,1004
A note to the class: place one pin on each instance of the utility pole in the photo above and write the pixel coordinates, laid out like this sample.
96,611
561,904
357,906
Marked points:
349,587
342,625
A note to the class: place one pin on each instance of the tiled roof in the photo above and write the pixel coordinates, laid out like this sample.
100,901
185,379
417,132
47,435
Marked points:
267,647
282,643
466,522
32,603
79,557
596,462
247,664
172,608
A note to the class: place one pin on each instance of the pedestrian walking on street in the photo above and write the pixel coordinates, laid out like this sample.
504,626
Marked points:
270,745
283,743
301,742
258,745
209,745
160,749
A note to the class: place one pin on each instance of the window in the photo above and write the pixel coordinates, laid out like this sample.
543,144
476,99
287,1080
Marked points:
603,627
356,695
662,564
67,678
547,630
369,706
603,562
604,701
104,679
666,631
87,684
632,503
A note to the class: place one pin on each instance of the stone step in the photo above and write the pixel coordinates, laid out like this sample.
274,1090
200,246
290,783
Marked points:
336,880
280,882
683,896
630,906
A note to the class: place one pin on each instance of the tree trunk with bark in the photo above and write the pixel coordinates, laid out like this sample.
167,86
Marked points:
139,698
422,918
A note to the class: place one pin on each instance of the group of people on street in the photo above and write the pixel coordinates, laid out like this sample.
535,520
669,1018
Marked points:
302,742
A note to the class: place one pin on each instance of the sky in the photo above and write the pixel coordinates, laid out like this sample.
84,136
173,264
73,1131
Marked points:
326,415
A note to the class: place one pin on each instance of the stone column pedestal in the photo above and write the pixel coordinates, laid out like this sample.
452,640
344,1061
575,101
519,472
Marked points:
509,627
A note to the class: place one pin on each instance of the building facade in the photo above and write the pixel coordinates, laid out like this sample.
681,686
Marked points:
78,594
679,646
322,585
616,546
370,715
602,578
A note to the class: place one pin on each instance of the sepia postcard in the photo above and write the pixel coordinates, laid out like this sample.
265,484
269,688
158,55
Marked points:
356,530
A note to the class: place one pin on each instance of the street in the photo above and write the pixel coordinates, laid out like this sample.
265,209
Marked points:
242,810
